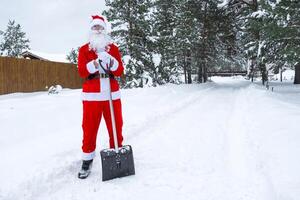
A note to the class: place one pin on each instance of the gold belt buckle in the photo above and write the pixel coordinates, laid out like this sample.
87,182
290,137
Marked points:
103,76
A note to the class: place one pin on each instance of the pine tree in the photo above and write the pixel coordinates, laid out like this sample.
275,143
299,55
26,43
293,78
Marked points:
204,43
270,35
250,35
73,55
131,29
14,40
165,25
185,36
284,32
230,57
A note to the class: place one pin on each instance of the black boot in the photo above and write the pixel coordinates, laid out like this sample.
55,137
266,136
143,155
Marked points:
85,169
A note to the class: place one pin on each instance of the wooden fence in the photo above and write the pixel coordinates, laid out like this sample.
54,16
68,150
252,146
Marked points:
23,75
227,73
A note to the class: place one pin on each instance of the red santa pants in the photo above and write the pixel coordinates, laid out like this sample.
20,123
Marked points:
92,114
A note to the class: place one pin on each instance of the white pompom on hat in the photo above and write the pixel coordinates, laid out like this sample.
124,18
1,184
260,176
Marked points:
97,20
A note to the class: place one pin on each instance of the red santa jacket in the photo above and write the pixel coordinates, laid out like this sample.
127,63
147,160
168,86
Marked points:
97,89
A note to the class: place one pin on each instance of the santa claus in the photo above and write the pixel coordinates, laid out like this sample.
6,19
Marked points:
99,61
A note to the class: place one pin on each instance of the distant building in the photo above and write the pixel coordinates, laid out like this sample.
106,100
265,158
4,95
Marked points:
29,54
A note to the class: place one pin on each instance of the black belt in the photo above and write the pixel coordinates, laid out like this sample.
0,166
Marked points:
97,75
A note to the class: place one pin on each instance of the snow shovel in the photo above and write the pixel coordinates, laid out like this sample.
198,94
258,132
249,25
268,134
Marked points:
117,162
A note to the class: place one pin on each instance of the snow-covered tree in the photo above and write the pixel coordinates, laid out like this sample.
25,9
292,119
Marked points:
14,40
165,24
131,29
204,43
283,30
270,35
73,55
250,21
230,55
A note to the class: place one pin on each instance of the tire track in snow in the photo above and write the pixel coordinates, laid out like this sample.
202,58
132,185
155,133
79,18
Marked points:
186,155
134,130
244,164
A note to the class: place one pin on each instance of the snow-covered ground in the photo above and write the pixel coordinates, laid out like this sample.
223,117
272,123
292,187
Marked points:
227,139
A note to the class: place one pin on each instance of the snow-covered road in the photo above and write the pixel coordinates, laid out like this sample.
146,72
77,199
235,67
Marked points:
228,139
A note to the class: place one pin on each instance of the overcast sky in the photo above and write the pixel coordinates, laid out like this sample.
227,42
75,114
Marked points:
52,26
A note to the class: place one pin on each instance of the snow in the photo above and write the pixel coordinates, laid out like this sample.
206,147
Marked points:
287,75
288,17
227,139
119,26
223,4
51,57
261,45
156,59
274,4
258,14
126,59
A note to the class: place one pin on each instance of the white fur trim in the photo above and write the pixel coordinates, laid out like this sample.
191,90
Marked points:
91,67
88,156
98,22
100,96
115,66
104,84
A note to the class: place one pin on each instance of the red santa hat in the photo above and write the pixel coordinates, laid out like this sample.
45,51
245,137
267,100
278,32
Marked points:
97,20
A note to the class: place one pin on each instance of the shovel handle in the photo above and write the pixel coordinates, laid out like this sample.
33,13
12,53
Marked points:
113,121
112,113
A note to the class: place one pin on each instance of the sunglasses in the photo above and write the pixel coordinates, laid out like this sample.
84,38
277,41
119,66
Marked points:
97,28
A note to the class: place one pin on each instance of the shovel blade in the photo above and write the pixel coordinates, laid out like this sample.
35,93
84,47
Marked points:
116,165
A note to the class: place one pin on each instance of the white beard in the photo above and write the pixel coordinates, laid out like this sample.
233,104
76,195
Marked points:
98,41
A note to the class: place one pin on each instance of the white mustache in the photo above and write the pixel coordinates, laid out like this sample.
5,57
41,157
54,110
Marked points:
97,32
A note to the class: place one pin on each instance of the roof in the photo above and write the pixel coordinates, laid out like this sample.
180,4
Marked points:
45,56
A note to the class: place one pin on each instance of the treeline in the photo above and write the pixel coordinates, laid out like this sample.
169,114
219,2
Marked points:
162,40
165,40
